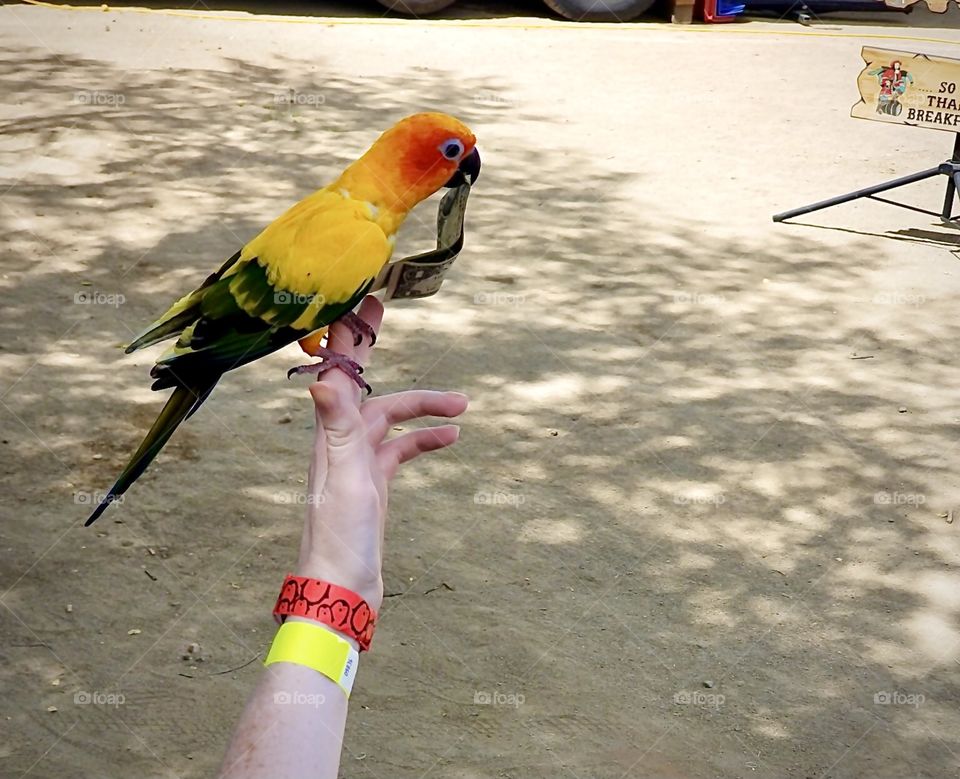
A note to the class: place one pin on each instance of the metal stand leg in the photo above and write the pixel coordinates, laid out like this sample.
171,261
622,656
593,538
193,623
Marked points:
951,169
953,182
947,213
875,190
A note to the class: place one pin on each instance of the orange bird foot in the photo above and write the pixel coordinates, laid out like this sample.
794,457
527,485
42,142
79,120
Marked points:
312,342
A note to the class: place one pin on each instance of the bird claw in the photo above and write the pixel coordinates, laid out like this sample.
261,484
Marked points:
359,327
332,360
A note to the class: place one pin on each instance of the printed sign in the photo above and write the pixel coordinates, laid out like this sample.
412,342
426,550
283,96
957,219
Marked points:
906,88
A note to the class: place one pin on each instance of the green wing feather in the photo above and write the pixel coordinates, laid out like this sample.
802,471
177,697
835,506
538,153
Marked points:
242,318
180,314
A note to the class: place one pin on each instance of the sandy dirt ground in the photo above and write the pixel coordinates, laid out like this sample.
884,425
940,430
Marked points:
700,523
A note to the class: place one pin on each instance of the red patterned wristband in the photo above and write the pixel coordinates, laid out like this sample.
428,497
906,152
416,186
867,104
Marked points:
327,603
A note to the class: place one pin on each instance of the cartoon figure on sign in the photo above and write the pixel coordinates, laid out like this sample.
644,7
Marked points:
886,97
894,81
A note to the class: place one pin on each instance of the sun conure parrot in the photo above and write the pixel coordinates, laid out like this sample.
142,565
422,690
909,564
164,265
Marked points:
308,269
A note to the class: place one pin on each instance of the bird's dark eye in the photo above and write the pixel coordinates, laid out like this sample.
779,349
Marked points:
452,149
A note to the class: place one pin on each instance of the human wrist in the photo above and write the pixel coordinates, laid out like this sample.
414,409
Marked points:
367,585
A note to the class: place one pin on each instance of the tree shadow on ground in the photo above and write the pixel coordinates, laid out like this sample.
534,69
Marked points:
676,472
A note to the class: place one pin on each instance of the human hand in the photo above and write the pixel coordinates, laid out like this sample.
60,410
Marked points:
353,464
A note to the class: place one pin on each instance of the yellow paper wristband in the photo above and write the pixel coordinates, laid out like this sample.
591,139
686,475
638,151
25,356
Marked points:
315,647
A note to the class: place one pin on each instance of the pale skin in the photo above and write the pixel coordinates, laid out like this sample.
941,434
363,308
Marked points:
292,726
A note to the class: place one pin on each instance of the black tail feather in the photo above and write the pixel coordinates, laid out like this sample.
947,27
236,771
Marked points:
184,401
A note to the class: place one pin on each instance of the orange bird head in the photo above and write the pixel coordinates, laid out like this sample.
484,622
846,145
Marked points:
412,160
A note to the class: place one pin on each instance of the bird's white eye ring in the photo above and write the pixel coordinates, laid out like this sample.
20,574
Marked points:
452,149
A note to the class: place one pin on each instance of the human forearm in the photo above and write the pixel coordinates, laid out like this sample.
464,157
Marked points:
291,728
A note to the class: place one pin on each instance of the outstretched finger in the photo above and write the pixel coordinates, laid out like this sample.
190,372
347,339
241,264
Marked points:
410,445
382,413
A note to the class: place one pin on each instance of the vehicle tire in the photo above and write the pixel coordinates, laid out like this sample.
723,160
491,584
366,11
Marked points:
416,7
600,10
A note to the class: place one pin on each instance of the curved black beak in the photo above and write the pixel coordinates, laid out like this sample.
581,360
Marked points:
468,172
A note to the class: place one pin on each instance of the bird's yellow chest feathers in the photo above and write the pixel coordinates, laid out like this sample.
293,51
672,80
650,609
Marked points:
327,244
